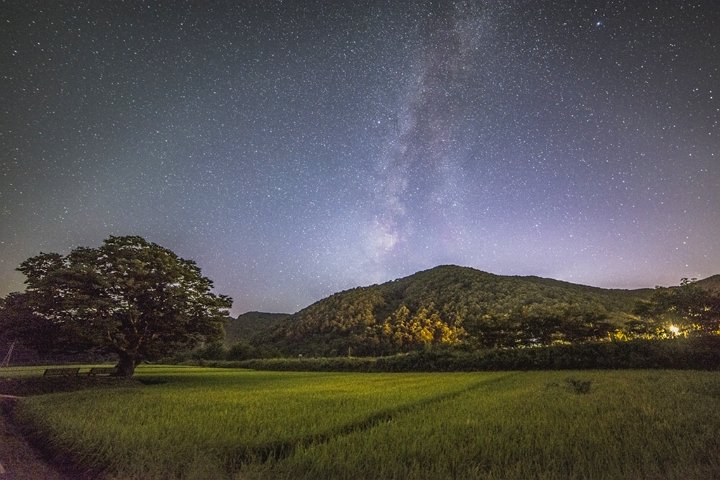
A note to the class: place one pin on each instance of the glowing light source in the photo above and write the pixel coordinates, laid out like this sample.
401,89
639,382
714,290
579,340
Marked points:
674,329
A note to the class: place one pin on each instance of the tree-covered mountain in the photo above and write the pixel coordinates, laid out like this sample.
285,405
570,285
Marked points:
248,325
710,283
452,305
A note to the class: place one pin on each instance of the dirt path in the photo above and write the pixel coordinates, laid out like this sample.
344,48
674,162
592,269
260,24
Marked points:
18,459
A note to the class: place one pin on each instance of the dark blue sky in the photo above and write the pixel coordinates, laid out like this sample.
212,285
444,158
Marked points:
294,149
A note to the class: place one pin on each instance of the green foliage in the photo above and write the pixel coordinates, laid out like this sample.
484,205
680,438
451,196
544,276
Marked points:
130,297
693,308
248,326
711,284
214,350
403,331
220,351
241,351
700,353
452,305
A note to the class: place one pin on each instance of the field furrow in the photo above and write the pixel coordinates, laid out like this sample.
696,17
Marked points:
197,423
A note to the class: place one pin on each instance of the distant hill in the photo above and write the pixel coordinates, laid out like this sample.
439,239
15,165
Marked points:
453,305
246,326
710,283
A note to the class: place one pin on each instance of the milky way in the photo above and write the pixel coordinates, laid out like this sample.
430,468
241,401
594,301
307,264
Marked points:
294,149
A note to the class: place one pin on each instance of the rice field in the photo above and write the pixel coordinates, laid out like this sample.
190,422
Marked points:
193,423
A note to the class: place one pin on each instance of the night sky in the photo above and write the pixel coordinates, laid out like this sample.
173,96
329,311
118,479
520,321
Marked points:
294,149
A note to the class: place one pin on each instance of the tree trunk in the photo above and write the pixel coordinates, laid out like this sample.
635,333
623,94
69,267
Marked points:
126,364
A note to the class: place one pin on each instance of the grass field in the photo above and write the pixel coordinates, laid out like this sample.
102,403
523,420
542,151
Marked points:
220,423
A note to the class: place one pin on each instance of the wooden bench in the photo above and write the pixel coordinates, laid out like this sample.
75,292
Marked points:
102,371
61,372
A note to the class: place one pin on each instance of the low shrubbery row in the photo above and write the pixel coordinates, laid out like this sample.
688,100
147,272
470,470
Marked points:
693,353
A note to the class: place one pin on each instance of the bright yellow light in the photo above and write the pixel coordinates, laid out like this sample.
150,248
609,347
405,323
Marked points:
674,329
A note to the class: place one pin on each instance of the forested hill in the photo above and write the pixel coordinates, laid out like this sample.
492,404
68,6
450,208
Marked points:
454,305
246,326
711,283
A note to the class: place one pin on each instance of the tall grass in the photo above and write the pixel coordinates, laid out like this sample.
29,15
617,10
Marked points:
208,420
628,425
220,423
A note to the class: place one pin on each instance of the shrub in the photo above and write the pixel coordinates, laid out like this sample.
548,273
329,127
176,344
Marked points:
686,353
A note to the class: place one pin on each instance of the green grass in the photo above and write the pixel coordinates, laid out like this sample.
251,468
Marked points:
220,423
25,372
38,370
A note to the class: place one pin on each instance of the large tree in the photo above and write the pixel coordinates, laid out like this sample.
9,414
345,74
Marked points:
129,297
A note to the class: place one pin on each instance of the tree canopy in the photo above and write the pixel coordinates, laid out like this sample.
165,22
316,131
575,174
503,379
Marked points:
688,308
129,297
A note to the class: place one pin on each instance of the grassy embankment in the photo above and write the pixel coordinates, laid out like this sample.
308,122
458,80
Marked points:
219,423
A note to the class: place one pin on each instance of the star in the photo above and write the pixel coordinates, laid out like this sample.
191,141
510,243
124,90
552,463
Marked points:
296,151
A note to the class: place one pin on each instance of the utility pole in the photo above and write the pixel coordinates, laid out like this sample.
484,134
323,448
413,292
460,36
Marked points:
6,360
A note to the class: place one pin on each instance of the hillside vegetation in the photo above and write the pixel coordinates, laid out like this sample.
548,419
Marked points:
246,326
451,305
711,284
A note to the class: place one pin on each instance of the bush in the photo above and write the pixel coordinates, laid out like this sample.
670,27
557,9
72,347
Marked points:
691,353
241,351
212,351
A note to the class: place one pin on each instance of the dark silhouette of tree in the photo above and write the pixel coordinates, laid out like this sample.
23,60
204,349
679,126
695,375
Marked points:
129,297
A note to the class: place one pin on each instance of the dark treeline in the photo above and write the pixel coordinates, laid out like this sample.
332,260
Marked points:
477,320
701,353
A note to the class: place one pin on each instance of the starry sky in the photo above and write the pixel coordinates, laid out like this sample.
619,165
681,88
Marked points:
297,148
